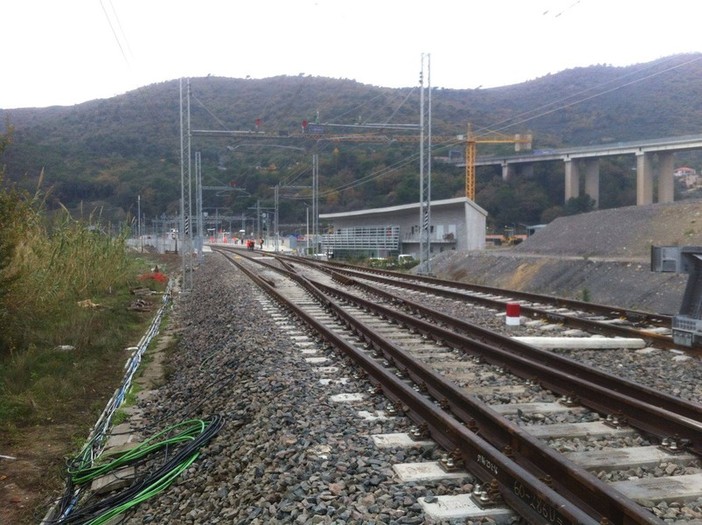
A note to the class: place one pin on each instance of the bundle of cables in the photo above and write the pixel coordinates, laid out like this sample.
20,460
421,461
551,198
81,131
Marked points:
157,462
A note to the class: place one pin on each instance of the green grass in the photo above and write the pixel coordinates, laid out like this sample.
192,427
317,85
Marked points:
51,396
44,383
49,265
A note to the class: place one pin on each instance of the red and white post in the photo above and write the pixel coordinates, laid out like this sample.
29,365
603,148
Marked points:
513,314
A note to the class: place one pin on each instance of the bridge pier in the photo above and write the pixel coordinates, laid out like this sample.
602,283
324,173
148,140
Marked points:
591,168
592,179
666,183
654,165
644,178
645,174
511,170
507,171
572,179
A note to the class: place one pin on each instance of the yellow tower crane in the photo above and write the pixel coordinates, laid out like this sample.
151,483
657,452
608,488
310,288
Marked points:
520,142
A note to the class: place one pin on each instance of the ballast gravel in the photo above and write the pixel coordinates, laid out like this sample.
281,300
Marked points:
289,454
286,453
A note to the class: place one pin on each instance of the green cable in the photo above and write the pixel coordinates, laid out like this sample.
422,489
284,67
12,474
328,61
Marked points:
147,493
195,427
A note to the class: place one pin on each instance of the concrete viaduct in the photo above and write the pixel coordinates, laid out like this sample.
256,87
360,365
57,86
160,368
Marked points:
585,162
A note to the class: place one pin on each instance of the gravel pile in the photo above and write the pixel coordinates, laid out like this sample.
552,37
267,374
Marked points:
602,256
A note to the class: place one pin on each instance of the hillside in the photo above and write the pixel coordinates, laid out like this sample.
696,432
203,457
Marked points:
102,154
601,256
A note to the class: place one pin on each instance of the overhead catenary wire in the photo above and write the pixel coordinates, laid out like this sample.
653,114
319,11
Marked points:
563,103
520,119
118,36
525,117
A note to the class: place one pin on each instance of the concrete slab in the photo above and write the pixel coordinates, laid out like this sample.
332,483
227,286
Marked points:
400,440
426,471
120,435
400,337
316,360
347,398
421,348
577,430
467,378
648,350
453,365
675,488
432,354
487,390
623,458
339,381
661,330
550,327
464,508
590,343
378,415
534,408
575,332
119,479
327,369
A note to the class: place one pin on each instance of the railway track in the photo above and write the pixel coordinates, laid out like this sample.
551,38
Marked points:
590,317
493,404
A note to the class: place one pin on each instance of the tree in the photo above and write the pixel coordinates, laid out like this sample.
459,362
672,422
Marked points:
582,204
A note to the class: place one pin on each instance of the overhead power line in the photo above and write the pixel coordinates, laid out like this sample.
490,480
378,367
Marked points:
117,32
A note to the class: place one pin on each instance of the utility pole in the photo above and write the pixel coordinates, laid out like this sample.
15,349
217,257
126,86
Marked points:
275,217
258,220
188,248
141,245
199,239
182,179
315,202
425,174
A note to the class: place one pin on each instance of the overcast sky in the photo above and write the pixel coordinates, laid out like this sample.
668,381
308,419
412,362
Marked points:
63,52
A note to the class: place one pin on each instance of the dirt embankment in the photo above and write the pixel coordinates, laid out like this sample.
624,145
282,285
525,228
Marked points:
602,257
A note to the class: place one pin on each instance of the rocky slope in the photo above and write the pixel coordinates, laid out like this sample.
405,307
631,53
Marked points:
602,257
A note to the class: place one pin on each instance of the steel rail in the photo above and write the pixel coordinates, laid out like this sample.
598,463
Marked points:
483,342
600,397
529,452
563,374
662,341
642,393
529,496
593,496
633,315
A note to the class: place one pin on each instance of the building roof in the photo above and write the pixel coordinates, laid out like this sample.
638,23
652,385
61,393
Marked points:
403,207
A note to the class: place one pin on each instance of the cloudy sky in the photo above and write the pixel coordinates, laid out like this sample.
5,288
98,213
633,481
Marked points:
70,51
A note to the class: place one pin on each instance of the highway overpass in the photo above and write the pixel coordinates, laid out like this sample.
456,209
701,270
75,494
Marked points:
654,163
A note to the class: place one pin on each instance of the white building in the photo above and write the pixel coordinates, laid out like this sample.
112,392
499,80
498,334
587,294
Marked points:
687,176
456,224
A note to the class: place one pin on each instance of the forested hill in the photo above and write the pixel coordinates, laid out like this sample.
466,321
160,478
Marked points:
102,154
